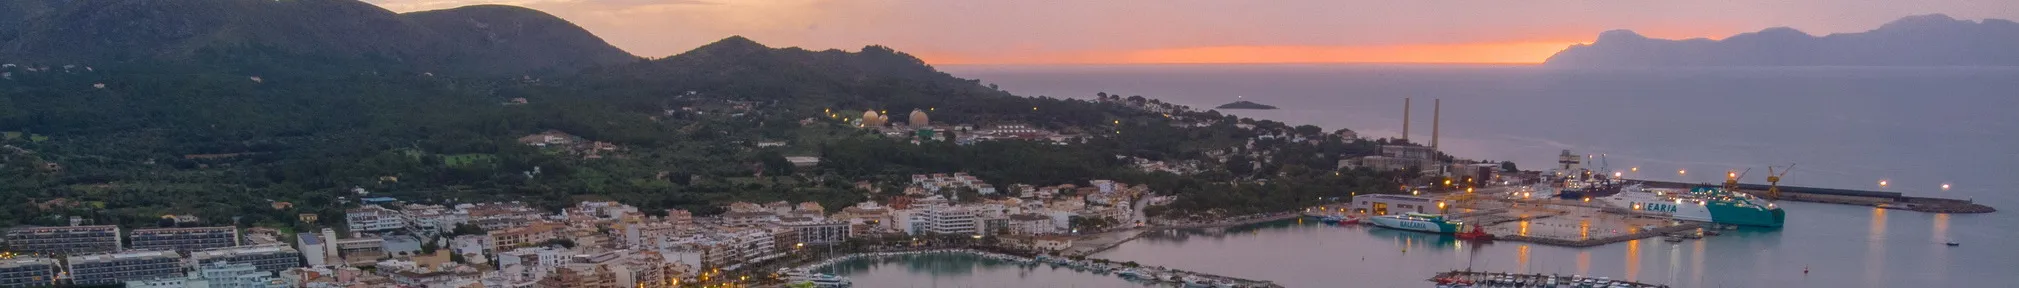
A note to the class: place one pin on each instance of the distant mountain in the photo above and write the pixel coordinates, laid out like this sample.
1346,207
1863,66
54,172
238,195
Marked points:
1925,40
485,39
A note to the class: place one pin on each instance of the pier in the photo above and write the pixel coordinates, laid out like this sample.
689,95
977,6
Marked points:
1089,265
1880,199
1493,279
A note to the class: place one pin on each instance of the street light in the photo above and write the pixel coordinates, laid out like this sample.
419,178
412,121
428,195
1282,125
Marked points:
1683,172
1945,186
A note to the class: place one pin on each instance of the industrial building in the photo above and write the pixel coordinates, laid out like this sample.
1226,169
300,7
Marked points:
1384,204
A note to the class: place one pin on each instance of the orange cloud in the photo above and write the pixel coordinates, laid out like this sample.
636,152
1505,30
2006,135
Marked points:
1495,53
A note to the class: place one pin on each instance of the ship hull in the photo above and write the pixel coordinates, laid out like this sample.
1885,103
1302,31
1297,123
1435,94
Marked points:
1414,225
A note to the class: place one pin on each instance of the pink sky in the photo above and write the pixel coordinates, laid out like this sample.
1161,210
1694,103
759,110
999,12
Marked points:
1202,31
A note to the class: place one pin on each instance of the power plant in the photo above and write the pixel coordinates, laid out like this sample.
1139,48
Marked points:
1436,116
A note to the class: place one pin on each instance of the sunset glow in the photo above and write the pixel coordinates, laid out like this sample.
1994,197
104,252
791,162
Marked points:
1495,53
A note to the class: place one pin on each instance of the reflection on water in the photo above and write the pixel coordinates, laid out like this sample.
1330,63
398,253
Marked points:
1875,247
1822,239
1632,259
965,270
1307,255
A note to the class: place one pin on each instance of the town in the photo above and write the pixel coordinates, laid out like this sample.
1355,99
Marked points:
389,242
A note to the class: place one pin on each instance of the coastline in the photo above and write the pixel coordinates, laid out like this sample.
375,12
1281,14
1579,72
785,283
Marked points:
1099,242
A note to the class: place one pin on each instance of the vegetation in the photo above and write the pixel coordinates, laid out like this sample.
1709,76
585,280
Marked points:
199,137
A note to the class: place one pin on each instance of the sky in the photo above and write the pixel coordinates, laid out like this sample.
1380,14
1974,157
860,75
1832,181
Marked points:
1202,31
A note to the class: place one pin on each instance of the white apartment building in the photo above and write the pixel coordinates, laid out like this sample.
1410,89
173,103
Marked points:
374,219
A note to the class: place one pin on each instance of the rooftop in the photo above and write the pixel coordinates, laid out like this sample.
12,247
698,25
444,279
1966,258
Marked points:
20,261
134,254
242,250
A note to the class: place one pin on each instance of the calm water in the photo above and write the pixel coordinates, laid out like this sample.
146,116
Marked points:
1916,128
961,270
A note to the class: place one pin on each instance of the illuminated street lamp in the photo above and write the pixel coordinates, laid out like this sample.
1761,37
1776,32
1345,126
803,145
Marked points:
1945,186
1882,183
1683,172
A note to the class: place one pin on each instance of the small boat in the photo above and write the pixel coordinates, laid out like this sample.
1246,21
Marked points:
1672,239
1331,219
1954,244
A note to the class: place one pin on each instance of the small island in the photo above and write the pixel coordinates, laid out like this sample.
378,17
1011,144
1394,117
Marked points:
1246,105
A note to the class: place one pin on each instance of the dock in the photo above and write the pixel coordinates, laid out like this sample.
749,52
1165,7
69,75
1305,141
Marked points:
1146,274
1494,279
1880,199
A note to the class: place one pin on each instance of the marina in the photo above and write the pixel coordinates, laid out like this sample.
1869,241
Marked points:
1460,279
1148,275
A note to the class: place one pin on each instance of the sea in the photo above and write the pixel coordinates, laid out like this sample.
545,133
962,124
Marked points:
1948,132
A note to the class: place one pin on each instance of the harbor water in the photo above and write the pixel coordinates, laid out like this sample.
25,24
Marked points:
1916,128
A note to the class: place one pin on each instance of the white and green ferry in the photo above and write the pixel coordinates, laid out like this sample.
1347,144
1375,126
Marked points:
1432,223
1702,204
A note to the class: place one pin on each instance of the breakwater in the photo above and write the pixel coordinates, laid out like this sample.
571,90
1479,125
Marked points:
1881,199
1589,242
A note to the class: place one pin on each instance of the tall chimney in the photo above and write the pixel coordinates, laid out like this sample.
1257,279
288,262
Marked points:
1405,119
1436,114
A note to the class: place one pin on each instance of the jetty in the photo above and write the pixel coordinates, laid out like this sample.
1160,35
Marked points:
1880,199
1146,274
1496,279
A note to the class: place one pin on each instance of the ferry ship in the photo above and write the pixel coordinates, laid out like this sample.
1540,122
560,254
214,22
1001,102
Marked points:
1432,223
1703,204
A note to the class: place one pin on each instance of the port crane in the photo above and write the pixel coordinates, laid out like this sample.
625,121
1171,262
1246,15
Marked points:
1774,181
1732,179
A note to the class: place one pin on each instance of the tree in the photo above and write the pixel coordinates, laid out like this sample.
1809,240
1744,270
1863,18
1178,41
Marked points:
466,229
1508,166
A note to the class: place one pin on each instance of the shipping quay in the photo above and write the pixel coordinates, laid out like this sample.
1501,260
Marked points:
1492,279
1886,200
1539,220
1143,274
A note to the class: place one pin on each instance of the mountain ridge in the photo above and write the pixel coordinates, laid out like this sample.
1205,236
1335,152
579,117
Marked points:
1920,40
450,40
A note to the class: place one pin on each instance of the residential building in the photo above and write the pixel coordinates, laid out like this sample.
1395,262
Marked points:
1030,224
433,217
1052,242
64,240
505,240
117,268
268,258
360,251
372,218
749,218
500,215
183,239
27,271
311,247
946,220
820,232
220,275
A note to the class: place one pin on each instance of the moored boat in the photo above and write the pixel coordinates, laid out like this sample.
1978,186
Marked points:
1702,204
1431,223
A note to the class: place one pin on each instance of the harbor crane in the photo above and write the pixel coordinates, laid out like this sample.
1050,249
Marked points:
1732,179
1774,181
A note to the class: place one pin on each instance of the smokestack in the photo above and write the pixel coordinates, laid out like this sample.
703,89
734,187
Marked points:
1436,114
1405,119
